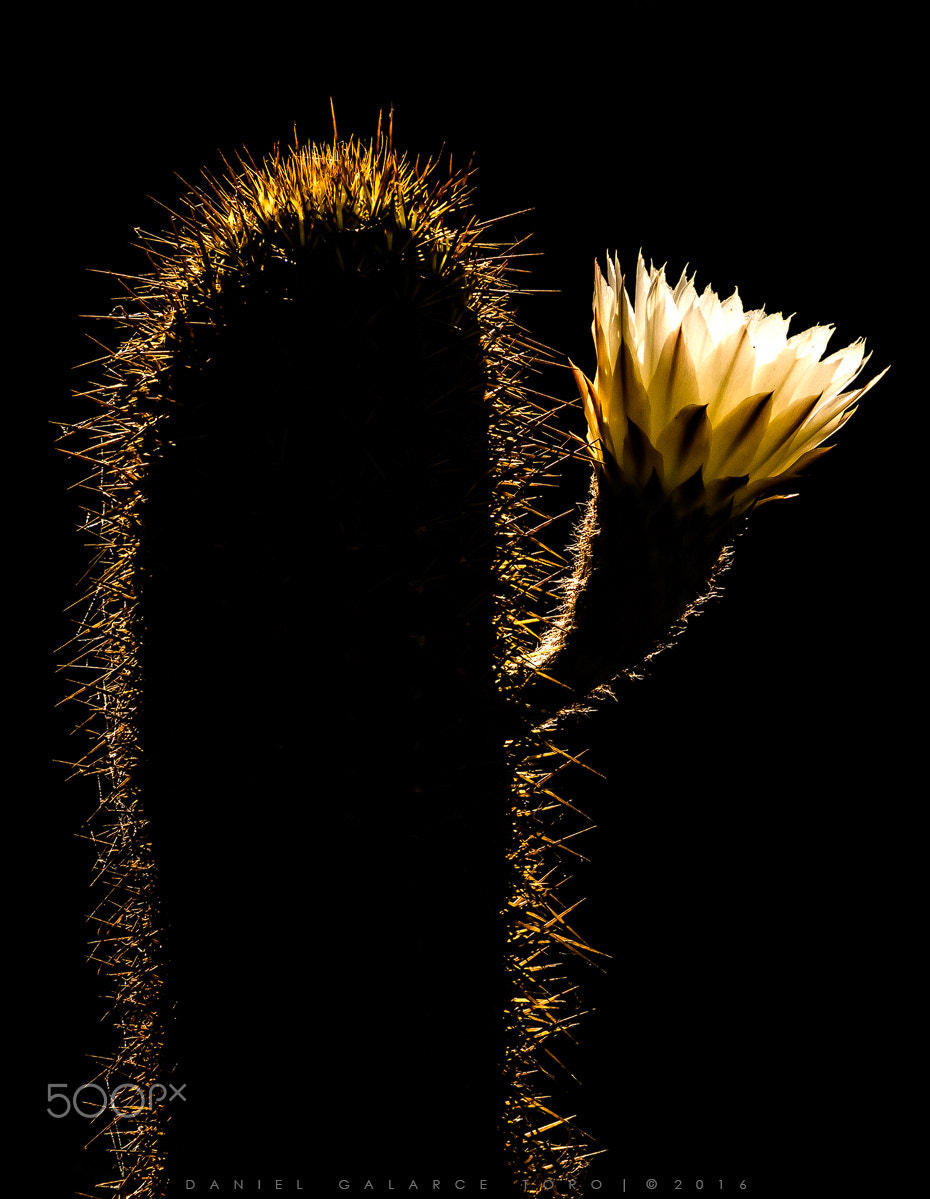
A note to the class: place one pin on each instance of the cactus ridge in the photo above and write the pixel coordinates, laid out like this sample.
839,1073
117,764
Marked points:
232,262
547,1149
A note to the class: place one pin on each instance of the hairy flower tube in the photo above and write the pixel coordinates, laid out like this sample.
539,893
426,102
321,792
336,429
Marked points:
707,398
698,412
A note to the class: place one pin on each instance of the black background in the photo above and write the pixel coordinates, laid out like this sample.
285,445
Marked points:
747,874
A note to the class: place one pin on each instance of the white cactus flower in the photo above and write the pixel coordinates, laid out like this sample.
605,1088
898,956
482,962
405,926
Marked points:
717,405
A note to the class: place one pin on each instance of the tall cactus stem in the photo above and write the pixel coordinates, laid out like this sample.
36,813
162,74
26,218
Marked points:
314,455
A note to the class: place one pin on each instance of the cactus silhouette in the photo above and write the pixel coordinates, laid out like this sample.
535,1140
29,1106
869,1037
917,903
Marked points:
338,675
327,836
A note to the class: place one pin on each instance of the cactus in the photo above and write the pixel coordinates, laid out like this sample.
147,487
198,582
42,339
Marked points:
316,470
324,623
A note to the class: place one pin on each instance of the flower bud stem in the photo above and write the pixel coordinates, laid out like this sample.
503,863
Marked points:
643,565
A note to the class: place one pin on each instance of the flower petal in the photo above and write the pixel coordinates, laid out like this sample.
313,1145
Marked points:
634,396
727,376
684,445
674,385
662,323
600,441
824,422
735,441
779,435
